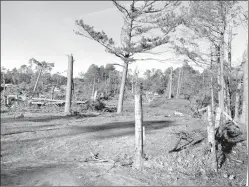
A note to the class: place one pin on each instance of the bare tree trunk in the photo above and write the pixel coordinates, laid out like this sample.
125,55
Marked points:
178,84
4,101
228,93
122,88
95,95
245,94
93,88
230,47
170,82
211,139
203,78
212,95
69,85
52,92
217,119
237,98
220,52
222,77
138,128
110,83
132,86
37,80
245,80
211,81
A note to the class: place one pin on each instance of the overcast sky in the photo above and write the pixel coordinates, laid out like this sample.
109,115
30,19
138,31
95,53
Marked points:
44,30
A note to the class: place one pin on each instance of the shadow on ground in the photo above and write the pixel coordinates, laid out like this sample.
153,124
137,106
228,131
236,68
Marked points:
102,131
39,175
117,129
45,118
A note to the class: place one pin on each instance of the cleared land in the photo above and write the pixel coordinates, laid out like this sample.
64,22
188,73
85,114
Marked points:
52,149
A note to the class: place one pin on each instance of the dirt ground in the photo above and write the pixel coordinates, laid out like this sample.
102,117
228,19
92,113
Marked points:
54,150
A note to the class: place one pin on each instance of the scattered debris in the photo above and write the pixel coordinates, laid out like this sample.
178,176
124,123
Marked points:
19,116
231,177
235,160
178,114
196,115
225,175
182,136
95,157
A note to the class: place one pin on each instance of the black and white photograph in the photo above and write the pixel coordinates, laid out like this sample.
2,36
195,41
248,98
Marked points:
124,93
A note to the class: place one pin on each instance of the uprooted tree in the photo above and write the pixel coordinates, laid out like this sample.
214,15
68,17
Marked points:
139,19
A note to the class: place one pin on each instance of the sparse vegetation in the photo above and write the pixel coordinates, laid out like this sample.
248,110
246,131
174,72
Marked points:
190,125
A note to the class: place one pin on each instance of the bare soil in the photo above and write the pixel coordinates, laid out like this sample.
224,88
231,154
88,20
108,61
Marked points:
53,150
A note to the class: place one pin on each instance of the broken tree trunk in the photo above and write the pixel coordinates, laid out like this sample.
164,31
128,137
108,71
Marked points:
138,128
170,82
211,139
237,98
69,85
122,88
178,84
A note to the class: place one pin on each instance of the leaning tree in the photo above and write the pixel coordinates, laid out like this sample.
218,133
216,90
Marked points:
41,66
141,18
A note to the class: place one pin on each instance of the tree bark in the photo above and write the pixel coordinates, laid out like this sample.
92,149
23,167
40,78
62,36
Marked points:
69,86
93,90
217,119
228,92
245,94
37,80
138,128
4,101
95,95
211,81
52,92
222,76
178,84
230,47
122,88
170,82
212,95
237,98
211,139
245,80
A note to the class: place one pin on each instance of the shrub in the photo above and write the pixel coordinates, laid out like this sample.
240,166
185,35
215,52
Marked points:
96,105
